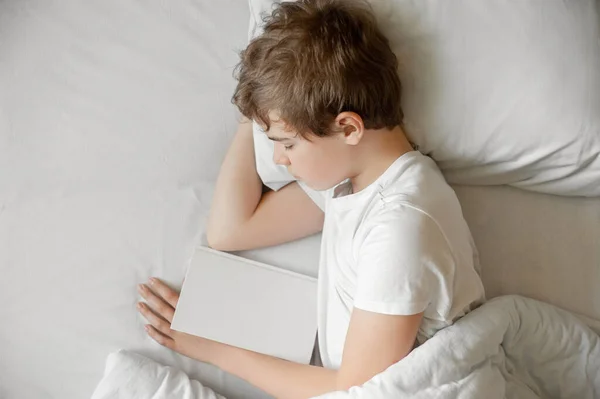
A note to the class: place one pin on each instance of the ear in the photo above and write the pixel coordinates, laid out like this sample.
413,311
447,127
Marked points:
351,125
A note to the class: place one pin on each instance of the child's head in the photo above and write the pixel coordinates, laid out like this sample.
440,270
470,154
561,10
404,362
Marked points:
321,70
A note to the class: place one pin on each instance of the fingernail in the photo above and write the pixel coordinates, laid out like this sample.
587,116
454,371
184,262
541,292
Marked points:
147,327
141,287
152,280
140,306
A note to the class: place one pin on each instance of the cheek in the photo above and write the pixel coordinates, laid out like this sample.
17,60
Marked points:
315,164
310,158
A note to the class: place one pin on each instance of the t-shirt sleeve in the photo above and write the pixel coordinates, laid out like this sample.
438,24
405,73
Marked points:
404,262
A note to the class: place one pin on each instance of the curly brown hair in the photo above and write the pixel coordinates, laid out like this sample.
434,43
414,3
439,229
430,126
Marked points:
316,59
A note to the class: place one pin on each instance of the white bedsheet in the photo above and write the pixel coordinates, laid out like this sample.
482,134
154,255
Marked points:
114,117
512,347
537,245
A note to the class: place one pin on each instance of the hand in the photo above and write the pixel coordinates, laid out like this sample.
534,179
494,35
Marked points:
159,311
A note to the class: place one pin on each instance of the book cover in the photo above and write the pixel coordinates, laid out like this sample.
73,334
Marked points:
248,304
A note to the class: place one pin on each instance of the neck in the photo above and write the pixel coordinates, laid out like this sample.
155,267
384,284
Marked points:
378,149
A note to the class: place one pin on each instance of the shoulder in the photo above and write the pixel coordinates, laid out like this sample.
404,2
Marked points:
416,199
420,183
401,228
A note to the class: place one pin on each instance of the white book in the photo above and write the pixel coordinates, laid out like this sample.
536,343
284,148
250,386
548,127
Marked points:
248,304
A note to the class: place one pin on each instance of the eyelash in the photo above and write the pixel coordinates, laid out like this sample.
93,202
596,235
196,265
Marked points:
288,147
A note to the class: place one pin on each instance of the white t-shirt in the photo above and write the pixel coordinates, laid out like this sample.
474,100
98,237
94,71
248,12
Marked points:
400,247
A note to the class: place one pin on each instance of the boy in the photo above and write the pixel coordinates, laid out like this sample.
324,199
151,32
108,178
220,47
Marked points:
397,262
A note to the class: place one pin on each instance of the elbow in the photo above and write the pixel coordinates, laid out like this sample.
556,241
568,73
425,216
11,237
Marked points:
227,237
222,241
216,241
216,235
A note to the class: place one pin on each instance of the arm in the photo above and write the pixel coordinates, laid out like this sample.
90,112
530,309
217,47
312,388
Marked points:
374,343
242,218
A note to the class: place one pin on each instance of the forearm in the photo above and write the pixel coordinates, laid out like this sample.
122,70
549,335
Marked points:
238,189
280,378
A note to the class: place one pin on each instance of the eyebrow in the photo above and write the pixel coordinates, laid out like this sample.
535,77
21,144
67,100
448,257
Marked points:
274,138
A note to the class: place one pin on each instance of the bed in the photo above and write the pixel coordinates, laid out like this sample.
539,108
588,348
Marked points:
115,115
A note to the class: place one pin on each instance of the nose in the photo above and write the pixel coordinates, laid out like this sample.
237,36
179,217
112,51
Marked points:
279,156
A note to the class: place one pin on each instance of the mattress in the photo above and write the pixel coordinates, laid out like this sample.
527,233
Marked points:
114,118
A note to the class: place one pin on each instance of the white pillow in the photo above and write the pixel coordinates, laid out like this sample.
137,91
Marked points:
497,92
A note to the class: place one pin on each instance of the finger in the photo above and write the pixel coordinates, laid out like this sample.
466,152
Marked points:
158,305
159,337
157,322
168,294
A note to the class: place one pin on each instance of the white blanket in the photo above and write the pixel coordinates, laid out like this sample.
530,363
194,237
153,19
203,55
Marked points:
128,375
511,347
